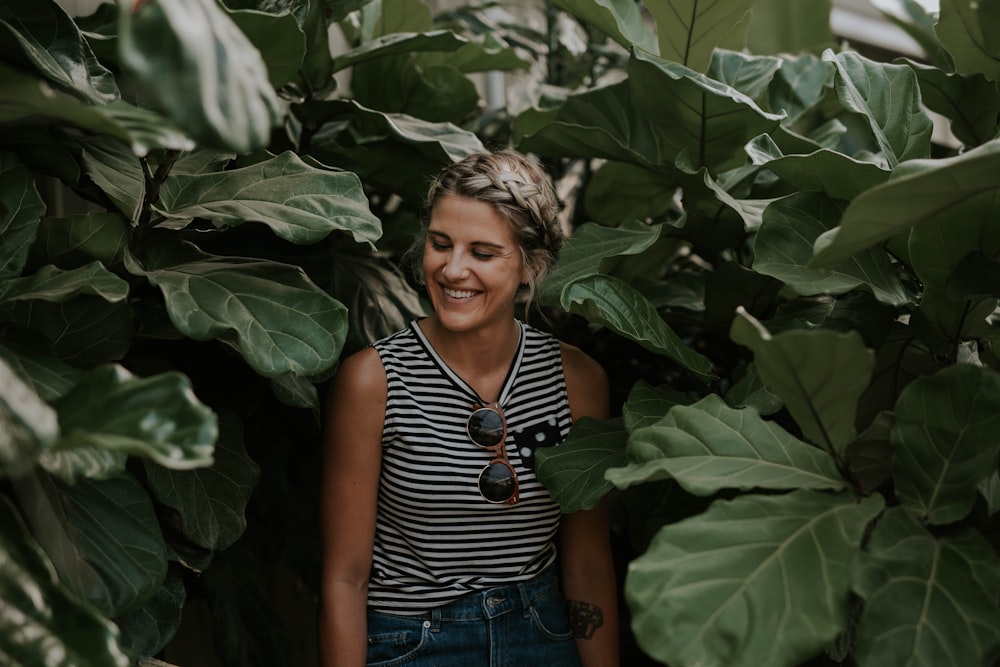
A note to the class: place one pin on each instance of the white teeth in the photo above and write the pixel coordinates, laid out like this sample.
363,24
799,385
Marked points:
457,294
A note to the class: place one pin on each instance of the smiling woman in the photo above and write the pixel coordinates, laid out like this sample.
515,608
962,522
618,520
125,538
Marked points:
441,546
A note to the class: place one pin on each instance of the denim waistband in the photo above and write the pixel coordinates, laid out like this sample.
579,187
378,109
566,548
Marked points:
496,601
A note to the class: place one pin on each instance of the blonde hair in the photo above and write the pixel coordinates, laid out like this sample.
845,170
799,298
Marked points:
518,188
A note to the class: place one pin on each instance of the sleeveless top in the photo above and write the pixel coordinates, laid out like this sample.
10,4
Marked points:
436,537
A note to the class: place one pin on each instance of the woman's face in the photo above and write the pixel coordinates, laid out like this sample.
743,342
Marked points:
472,264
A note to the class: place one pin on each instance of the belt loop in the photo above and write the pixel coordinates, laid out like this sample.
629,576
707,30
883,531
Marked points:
522,589
436,619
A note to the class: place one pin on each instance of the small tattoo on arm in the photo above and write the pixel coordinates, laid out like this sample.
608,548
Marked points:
583,618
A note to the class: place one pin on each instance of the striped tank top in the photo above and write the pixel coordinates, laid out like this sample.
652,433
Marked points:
436,537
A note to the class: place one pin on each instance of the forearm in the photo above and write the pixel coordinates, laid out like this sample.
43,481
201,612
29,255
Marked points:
592,610
343,630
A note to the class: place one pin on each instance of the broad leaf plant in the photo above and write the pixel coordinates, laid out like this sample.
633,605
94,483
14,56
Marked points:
791,277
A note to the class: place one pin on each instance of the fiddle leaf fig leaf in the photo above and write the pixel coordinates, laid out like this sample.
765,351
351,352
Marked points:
211,501
712,579
574,470
930,188
613,303
697,117
928,599
594,249
963,28
28,425
689,30
301,203
48,38
21,208
53,284
156,417
193,64
945,441
709,446
839,176
103,537
38,608
620,20
280,320
819,375
784,243
901,128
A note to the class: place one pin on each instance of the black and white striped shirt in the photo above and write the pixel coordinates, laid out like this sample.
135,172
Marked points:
436,537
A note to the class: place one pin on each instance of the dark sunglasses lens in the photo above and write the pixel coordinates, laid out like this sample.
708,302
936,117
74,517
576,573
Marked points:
497,483
486,427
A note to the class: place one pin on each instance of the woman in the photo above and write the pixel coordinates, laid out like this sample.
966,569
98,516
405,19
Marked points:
440,545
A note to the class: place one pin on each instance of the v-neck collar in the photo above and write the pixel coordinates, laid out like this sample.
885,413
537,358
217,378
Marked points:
508,384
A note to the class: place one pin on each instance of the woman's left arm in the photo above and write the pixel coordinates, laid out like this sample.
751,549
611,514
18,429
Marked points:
588,574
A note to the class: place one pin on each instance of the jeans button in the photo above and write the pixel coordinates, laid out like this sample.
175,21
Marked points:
495,602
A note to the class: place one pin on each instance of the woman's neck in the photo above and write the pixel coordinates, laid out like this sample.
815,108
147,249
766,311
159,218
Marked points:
482,357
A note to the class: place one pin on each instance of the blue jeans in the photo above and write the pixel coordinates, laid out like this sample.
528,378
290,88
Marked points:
521,625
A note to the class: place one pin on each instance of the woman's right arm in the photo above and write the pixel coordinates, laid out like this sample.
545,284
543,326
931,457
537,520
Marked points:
350,479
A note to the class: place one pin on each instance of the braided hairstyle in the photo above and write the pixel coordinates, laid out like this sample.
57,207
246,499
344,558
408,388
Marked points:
518,188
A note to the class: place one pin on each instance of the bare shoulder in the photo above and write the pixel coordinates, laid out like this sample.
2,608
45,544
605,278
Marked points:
586,383
360,377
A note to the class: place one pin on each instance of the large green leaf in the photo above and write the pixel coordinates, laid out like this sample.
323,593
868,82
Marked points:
594,249
394,151
400,43
929,600
279,39
966,30
839,176
50,378
927,187
618,192
647,404
784,26
24,96
490,53
621,20
280,320
888,97
939,243
819,375
971,103
76,240
85,330
148,628
702,119
45,36
52,284
598,122
102,536
21,207
614,304
301,203
945,440
28,425
689,30
192,63
784,245
156,417
574,471
41,623
758,581
211,501
112,165
379,299
709,446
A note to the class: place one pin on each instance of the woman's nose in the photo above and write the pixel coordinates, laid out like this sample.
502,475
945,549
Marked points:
455,266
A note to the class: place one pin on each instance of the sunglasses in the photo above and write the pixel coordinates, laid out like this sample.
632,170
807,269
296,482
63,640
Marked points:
487,428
